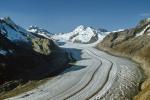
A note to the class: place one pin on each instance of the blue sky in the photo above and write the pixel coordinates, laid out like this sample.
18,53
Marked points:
64,15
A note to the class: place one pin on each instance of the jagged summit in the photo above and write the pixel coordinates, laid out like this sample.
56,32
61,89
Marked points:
83,27
39,31
79,28
13,31
36,29
8,21
81,34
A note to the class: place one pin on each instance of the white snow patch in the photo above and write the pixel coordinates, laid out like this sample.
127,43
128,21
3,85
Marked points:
3,52
142,32
119,30
39,31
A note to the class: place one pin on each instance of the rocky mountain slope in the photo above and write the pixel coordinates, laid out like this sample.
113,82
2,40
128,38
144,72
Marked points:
135,44
39,31
82,34
26,56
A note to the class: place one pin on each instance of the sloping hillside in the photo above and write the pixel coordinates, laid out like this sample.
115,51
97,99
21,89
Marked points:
135,44
25,56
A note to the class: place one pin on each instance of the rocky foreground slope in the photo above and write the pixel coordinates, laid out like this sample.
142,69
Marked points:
135,44
26,56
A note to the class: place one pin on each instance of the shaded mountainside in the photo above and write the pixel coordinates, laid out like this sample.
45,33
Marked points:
135,44
25,56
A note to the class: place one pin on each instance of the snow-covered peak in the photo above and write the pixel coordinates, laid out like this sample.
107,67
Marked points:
81,34
36,29
79,28
82,28
12,31
89,29
39,31
84,34
8,21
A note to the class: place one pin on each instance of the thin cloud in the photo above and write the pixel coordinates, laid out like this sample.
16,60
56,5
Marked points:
145,14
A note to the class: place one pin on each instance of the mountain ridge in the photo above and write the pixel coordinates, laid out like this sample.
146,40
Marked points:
23,54
82,34
133,43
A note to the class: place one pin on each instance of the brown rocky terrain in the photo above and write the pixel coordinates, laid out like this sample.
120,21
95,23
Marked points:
133,43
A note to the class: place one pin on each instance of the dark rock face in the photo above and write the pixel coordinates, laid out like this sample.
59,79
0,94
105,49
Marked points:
25,56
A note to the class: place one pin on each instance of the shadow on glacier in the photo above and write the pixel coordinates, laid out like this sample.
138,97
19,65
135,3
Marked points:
74,56
73,68
60,43
52,67
55,67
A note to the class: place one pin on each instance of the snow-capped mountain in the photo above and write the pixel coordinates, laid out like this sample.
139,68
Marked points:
12,31
12,34
81,34
23,55
39,31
